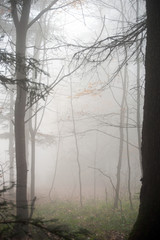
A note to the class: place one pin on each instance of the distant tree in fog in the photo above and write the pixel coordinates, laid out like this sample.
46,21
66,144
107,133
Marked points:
130,38
147,223
123,106
77,147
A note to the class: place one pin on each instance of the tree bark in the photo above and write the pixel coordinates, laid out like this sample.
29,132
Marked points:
147,224
21,23
21,165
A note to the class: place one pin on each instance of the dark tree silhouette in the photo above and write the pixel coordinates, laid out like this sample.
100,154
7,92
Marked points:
147,224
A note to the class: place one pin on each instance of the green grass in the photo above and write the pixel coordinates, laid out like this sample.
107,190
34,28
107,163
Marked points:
99,219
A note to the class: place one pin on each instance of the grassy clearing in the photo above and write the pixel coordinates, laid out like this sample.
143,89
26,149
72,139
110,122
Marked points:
100,219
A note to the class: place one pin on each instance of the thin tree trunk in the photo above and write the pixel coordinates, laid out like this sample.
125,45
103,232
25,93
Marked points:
77,148
116,199
121,131
11,144
126,79
128,158
33,157
27,137
56,164
95,165
33,125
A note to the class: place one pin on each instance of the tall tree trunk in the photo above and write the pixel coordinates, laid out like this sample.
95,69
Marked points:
147,224
138,94
94,173
33,126
122,118
11,145
27,136
21,165
21,23
116,199
77,148
33,140
128,157
56,163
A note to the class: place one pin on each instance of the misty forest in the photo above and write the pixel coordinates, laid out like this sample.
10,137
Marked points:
79,119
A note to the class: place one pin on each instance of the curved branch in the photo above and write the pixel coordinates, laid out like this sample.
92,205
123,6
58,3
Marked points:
41,13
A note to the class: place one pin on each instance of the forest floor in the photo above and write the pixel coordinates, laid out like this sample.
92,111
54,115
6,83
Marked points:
93,221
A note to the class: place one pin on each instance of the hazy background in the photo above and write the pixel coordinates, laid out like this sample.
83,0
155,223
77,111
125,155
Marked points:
82,113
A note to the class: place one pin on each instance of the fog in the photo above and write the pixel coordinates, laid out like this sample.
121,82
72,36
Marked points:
78,138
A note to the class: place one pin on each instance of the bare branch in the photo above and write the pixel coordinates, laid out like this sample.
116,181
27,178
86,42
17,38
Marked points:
94,52
42,12
105,175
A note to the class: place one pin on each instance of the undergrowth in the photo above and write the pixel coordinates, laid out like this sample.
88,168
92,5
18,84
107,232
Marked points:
99,219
